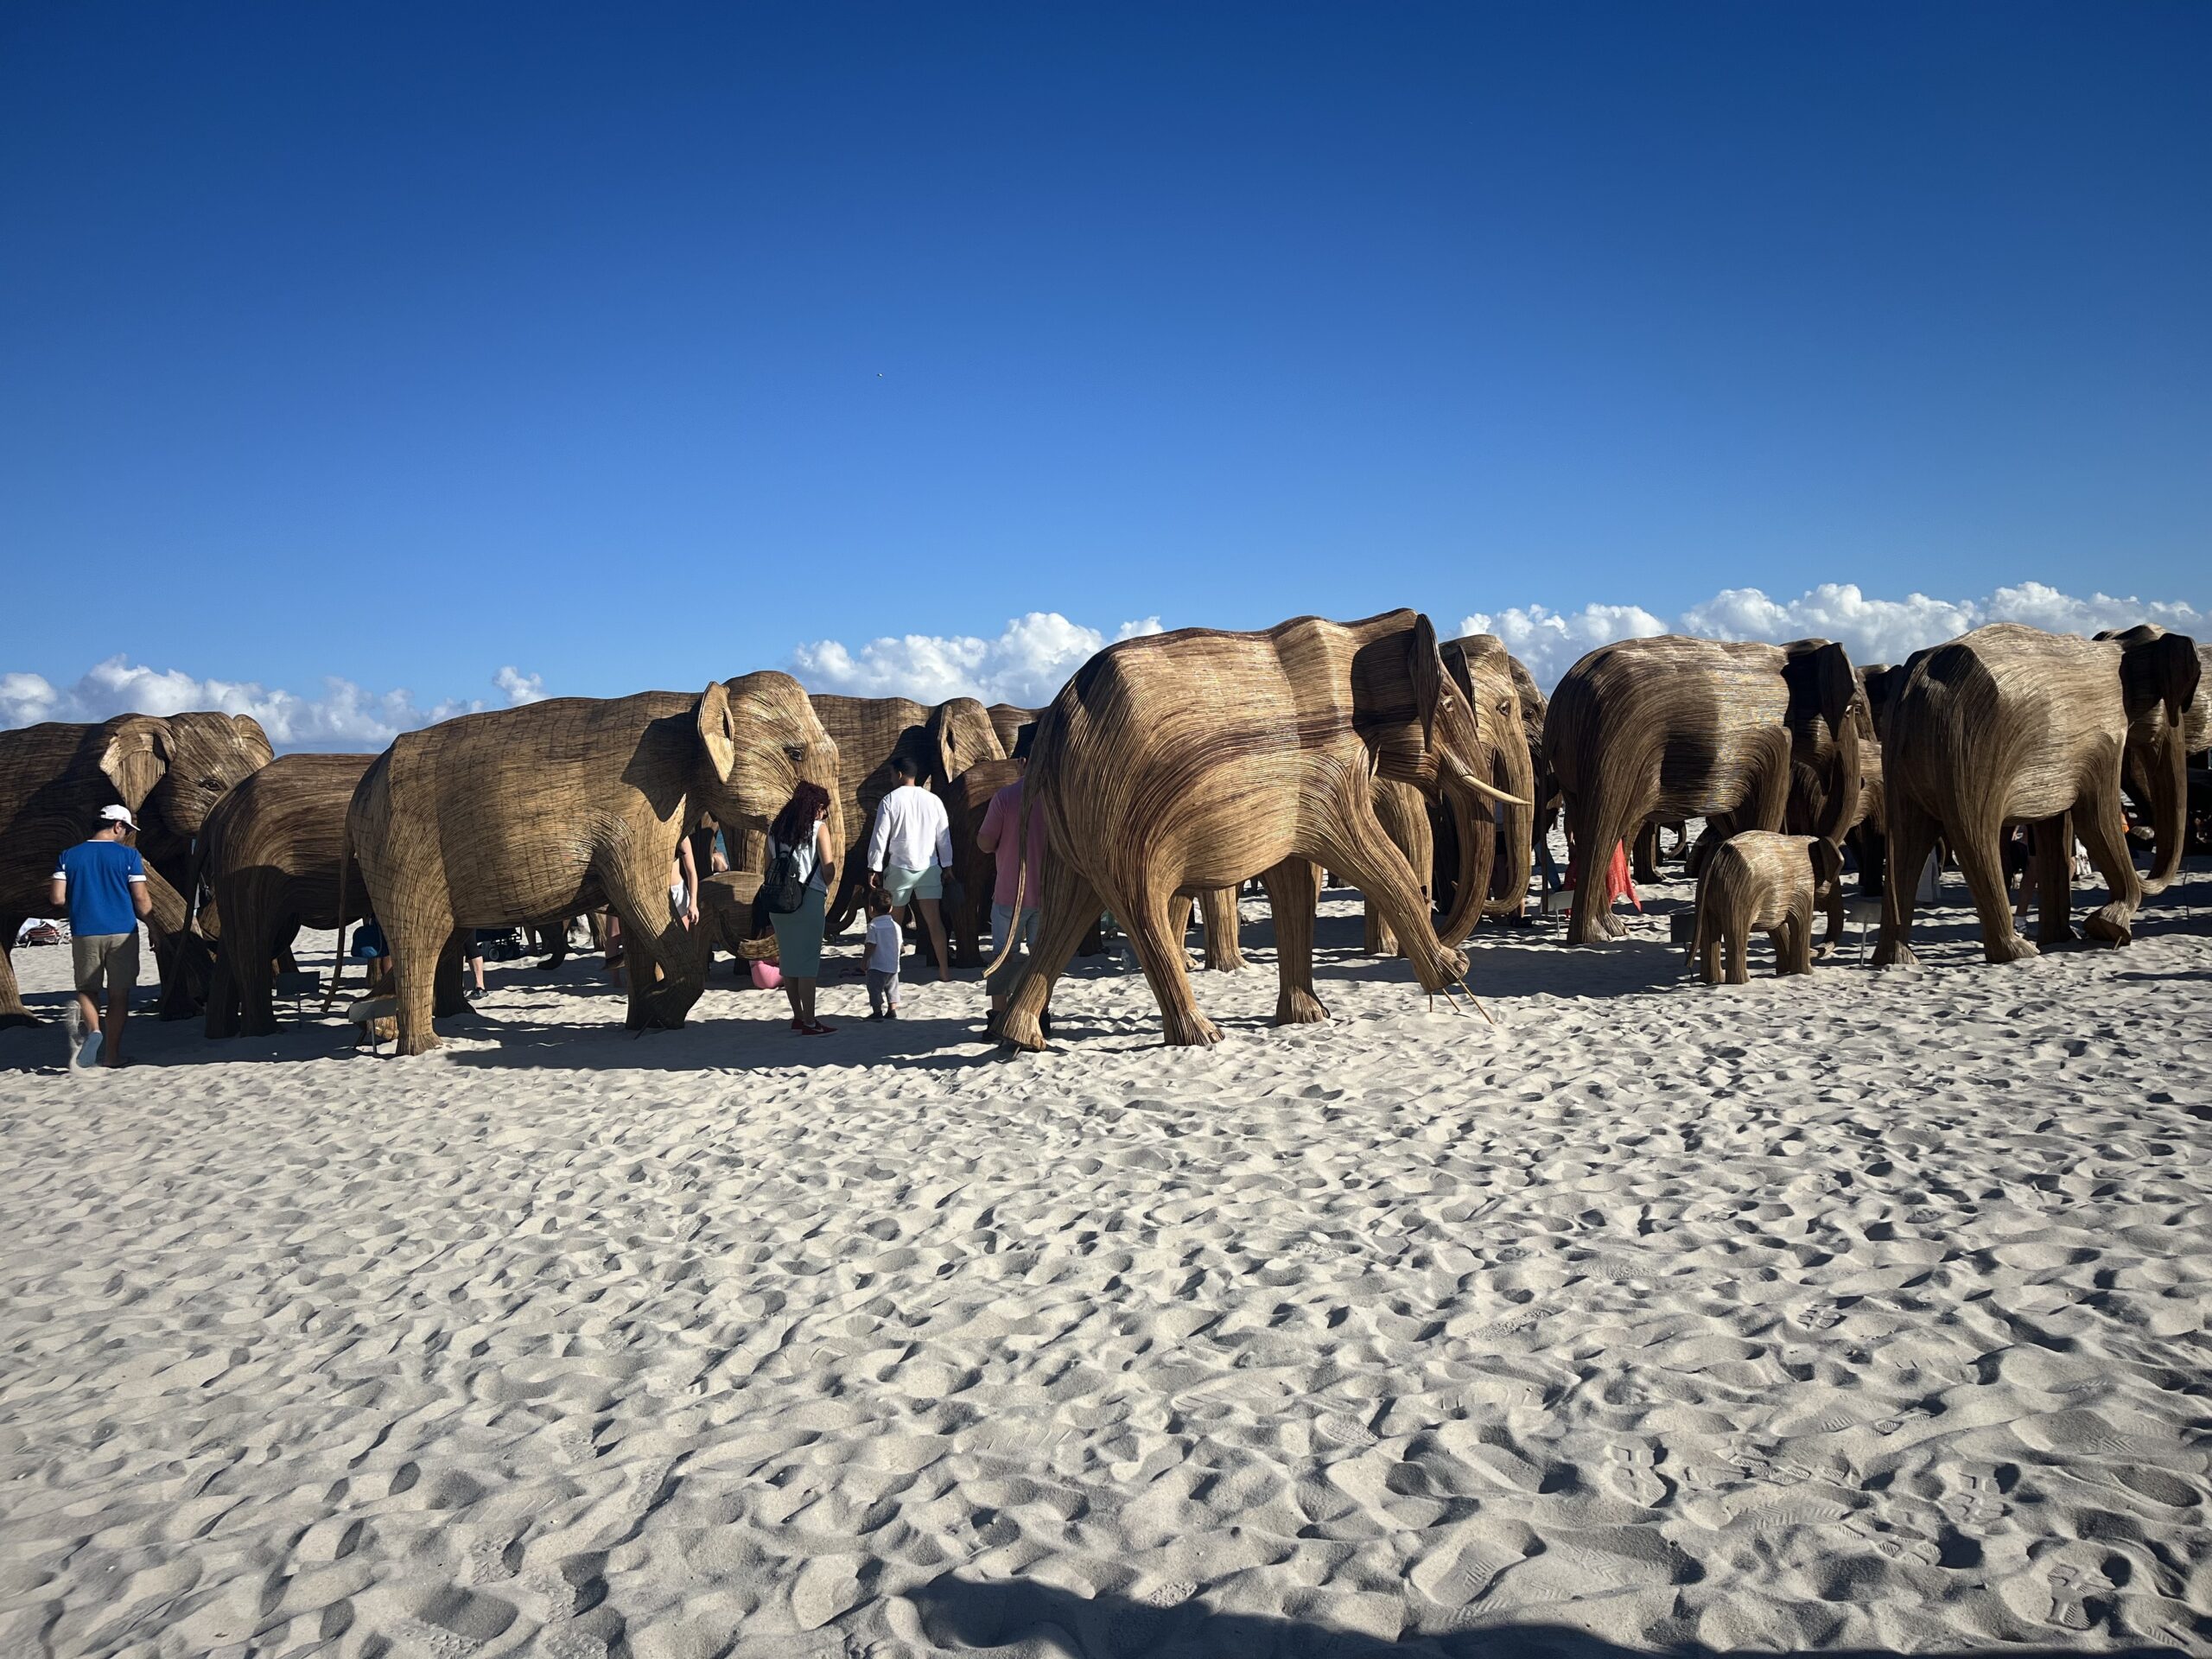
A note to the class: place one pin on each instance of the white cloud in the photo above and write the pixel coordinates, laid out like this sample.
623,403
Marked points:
1872,629
1550,642
1027,664
344,717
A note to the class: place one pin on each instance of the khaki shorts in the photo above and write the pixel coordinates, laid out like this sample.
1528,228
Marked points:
103,960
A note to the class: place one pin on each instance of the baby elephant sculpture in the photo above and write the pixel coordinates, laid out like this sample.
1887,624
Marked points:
1772,882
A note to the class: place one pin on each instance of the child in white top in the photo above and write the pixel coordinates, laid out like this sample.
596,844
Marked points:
885,943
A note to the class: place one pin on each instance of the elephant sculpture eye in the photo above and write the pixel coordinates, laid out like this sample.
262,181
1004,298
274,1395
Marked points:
211,785
796,751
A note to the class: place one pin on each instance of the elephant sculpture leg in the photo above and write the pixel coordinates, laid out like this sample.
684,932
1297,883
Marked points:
422,944
1293,892
2104,832
1644,857
1069,912
1149,918
1912,833
2051,870
12,1011
1225,953
1355,843
1979,850
1793,940
1595,825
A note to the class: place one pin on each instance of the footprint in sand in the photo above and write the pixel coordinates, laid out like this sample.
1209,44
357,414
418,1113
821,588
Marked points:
1895,1543
1629,1472
433,1640
488,1561
1173,1594
571,1644
2071,1587
1345,1431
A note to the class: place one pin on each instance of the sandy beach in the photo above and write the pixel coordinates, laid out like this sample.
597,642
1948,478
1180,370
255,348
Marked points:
1861,1310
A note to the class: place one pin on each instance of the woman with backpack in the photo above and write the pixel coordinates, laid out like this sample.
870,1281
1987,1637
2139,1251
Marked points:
795,893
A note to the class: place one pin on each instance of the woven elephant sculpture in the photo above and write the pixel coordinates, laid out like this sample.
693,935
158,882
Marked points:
1774,883
2009,725
171,770
1500,855
2145,738
1178,763
1676,727
507,818
267,864
870,734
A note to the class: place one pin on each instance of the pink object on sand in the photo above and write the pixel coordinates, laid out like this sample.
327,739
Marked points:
766,976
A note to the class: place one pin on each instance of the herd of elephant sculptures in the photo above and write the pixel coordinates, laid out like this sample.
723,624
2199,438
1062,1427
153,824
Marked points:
1171,768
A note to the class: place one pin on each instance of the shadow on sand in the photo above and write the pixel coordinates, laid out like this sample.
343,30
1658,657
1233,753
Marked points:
963,1615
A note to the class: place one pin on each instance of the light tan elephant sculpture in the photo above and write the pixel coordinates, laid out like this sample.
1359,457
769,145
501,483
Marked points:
1770,882
1402,810
517,815
1182,762
2146,738
269,861
1511,711
1676,727
2012,725
169,771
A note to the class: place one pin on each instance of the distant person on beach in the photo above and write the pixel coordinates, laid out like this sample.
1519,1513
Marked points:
800,833
101,883
1002,824
884,945
909,851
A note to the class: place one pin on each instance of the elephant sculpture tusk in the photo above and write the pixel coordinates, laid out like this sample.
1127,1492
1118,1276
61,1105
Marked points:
1491,791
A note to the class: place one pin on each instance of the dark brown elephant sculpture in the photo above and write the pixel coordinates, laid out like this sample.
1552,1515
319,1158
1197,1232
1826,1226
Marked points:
515,817
268,861
2012,725
1672,727
1181,762
169,771
1769,882
870,734
1007,721
2146,738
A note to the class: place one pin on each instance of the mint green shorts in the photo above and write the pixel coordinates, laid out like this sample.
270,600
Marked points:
902,885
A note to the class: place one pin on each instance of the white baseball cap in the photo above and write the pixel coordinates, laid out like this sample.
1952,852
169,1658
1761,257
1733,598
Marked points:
118,814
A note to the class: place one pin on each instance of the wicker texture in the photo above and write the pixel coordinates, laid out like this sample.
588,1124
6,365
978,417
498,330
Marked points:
2146,738
1186,762
1676,727
2011,725
1007,721
169,771
1501,853
517,815
268,862
1770,882
1403,812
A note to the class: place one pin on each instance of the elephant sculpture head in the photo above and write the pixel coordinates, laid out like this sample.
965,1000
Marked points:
759,738
1825,738
1420,721
1495,857
960,734
171,770
2163,692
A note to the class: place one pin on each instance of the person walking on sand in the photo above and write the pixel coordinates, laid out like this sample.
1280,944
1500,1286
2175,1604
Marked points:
909,851
1002,824
884,945
800,834
102,884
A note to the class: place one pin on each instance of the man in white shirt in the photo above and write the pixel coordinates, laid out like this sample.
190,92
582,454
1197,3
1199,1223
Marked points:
908,850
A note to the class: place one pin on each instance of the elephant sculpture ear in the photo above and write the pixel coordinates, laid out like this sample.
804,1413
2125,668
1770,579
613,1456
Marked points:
252,739
1427,663
2156,666
1833,683
1455,665
718,730
2180,673
136,758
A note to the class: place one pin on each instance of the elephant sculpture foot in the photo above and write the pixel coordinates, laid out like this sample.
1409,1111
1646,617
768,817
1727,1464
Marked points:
1191,1030
2109,925
1299,1007
2015,949
1020,1030
1894,953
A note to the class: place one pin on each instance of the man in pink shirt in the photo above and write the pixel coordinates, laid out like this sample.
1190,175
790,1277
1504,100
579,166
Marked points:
1002,824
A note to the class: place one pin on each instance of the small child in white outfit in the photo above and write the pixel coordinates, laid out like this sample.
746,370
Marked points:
885,943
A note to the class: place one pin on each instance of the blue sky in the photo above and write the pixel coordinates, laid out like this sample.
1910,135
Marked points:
632,347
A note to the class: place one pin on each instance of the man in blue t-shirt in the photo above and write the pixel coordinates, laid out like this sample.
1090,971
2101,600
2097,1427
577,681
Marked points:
103,883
